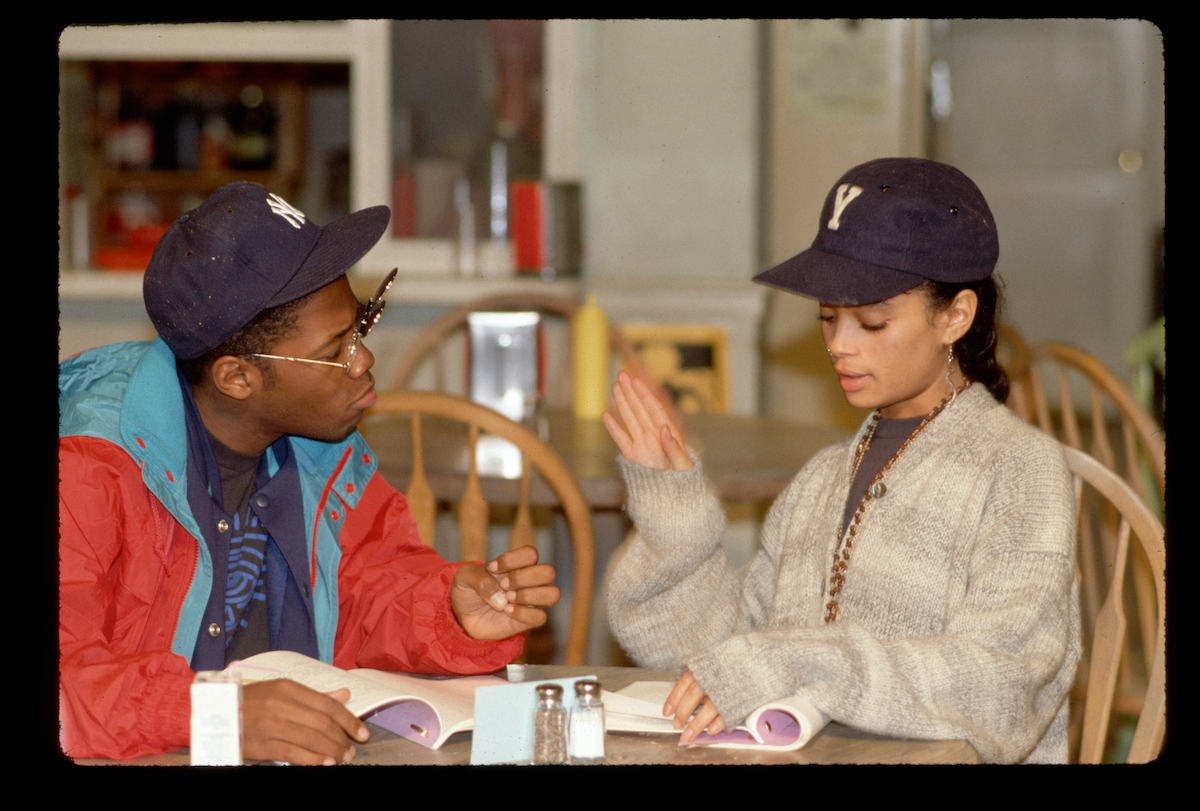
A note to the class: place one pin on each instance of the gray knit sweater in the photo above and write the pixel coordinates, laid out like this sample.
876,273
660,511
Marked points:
959,615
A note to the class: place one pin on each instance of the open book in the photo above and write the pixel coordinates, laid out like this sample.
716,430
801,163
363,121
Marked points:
423,709
787,723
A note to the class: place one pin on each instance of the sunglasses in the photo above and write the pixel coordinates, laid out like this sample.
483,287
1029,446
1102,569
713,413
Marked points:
374,309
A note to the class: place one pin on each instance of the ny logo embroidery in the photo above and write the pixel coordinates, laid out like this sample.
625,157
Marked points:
285,210
845,193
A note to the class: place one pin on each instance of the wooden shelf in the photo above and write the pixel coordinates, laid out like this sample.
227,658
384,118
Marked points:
442,289
171,181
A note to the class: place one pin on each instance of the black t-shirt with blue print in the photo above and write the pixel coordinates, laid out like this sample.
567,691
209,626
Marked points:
246,623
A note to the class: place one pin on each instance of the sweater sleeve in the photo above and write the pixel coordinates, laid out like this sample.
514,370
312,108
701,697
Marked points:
997,671
671,589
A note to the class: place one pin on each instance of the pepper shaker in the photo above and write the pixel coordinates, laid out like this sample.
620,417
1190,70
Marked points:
549,726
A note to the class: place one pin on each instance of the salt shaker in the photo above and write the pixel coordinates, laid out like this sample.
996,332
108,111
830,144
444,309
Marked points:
586,736
549,726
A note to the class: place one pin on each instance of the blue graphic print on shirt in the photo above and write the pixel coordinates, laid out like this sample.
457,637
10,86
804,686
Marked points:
244,581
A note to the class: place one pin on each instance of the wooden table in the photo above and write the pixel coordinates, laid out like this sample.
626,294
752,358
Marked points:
836,744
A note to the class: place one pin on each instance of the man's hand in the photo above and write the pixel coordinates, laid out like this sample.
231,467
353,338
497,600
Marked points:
642,427
504,598
688,697
285,721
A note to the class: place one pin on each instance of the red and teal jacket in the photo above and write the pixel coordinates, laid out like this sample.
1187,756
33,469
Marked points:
135,574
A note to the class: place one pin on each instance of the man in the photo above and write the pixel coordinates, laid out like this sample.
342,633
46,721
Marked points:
216,500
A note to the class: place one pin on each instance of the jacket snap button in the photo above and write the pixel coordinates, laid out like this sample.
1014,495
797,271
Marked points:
222,526
214,630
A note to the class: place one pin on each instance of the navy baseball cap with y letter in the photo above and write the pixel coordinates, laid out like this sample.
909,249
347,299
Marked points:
888,225
242,251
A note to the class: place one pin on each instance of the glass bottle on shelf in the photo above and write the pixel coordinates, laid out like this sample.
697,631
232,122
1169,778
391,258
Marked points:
253,123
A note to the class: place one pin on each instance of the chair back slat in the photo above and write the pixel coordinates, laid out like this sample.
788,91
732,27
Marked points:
1109,503
1040,407
419,494
473,508
1108,642
1090,569
1068,417
522,529
1101,447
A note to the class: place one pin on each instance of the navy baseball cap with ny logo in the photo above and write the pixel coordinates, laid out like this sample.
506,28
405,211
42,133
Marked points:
242,251
888,225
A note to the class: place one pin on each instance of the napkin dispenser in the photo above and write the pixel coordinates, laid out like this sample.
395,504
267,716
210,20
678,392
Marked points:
505,369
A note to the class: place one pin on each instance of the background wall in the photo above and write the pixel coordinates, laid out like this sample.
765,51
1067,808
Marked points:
670,148
705,149
1061,123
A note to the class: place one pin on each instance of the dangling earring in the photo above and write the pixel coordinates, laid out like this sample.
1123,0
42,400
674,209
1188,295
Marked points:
949,371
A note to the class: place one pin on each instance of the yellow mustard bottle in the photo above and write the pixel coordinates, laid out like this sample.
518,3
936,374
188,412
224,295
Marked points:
590,360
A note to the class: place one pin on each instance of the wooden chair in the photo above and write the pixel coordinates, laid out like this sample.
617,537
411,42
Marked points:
473,511
1074,375
1108,505
432,342
1012,351
1143,444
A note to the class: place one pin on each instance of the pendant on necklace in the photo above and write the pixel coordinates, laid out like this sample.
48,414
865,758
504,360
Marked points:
878,490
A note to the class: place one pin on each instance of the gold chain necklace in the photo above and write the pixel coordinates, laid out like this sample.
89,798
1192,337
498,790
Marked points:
845,545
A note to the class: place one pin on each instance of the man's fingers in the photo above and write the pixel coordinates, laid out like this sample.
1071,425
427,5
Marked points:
542,574
284,720
542,596
484,584
525,614
513,559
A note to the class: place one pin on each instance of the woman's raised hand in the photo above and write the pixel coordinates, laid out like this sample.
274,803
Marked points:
642,428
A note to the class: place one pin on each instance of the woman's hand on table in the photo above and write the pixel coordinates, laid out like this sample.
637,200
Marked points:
692,709
642,428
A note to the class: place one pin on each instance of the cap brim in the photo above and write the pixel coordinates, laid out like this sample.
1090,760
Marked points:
835,279
341,244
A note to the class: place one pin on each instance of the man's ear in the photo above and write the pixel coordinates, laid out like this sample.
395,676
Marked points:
235,377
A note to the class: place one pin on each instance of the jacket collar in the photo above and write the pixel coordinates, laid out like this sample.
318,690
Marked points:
154,430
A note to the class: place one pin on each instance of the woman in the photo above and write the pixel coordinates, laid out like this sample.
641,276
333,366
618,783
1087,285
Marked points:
916,581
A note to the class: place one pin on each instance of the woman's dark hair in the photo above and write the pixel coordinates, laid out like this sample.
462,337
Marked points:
976,350
262,333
